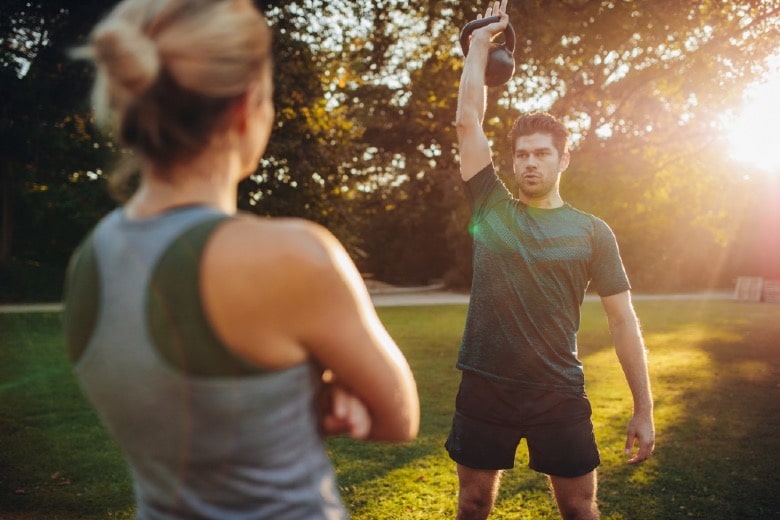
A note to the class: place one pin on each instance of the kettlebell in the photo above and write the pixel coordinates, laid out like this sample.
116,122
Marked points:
501,62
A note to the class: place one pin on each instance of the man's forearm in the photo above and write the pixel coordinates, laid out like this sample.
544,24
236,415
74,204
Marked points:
473,144
471,93
631,353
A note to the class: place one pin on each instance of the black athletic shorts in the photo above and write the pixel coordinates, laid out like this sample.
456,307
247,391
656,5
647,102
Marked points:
492,417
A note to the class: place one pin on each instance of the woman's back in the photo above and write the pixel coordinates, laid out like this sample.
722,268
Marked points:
206,433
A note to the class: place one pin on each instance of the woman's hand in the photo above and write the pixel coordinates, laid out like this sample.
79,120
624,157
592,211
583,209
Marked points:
342,413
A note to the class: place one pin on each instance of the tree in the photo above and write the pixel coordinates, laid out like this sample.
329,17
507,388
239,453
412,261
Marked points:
49,148
365,97
53,168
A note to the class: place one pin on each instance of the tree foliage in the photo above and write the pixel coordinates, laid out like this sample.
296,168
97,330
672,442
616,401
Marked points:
365,95
50,153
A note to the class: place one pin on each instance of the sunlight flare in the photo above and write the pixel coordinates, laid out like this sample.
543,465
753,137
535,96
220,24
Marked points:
753,135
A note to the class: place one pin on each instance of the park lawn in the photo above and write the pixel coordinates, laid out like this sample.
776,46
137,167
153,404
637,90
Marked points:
714,368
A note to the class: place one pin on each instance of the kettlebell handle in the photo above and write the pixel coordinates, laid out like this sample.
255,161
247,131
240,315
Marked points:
465,33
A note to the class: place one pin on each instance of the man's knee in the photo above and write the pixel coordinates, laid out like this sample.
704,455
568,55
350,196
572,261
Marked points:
576,497
477,492
582,509
472,507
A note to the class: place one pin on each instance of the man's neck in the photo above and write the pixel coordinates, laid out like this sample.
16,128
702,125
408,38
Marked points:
551,200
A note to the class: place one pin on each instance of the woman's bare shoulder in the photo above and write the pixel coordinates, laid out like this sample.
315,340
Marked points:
259,276
273,238
286,253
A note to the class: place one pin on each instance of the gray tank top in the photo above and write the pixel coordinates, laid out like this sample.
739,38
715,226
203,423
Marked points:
206,434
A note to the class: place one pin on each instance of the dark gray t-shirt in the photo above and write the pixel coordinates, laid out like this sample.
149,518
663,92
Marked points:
531,270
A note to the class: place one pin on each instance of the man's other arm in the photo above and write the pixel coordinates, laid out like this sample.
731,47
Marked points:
630,349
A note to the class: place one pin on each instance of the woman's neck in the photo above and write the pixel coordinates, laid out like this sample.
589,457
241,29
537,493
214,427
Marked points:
200,182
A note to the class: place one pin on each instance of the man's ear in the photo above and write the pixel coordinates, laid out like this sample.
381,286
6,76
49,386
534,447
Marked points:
564,162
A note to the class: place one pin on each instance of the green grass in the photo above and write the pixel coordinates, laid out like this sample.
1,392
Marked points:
715,368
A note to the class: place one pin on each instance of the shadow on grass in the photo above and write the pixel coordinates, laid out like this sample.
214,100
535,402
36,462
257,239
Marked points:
716,388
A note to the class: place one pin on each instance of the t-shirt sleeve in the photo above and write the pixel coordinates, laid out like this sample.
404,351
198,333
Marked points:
484,190
608,275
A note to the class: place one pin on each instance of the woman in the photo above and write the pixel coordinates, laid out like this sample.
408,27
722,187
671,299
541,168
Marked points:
202,335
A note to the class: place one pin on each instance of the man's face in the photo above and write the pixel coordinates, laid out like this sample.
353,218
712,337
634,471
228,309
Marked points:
537,165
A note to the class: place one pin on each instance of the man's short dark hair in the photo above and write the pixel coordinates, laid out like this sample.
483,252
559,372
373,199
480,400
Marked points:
540,123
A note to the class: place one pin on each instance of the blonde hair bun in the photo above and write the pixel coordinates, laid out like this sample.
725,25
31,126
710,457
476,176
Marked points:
129,57
168,70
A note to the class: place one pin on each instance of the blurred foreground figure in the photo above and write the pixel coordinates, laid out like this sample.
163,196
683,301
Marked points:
218,348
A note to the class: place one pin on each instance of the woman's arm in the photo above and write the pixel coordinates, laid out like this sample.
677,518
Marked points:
282,291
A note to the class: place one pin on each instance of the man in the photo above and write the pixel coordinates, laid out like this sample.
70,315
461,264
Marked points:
534,257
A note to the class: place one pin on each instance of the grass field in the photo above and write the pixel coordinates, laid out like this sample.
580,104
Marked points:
715,368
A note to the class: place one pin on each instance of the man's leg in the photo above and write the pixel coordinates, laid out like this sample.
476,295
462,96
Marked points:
576,497
477,492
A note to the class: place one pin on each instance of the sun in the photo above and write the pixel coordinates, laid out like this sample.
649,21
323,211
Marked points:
754,136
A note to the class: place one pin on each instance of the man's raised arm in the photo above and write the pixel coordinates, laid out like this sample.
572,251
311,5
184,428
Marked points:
473,144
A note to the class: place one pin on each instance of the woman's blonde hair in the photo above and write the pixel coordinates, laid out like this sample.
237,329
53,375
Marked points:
167,70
